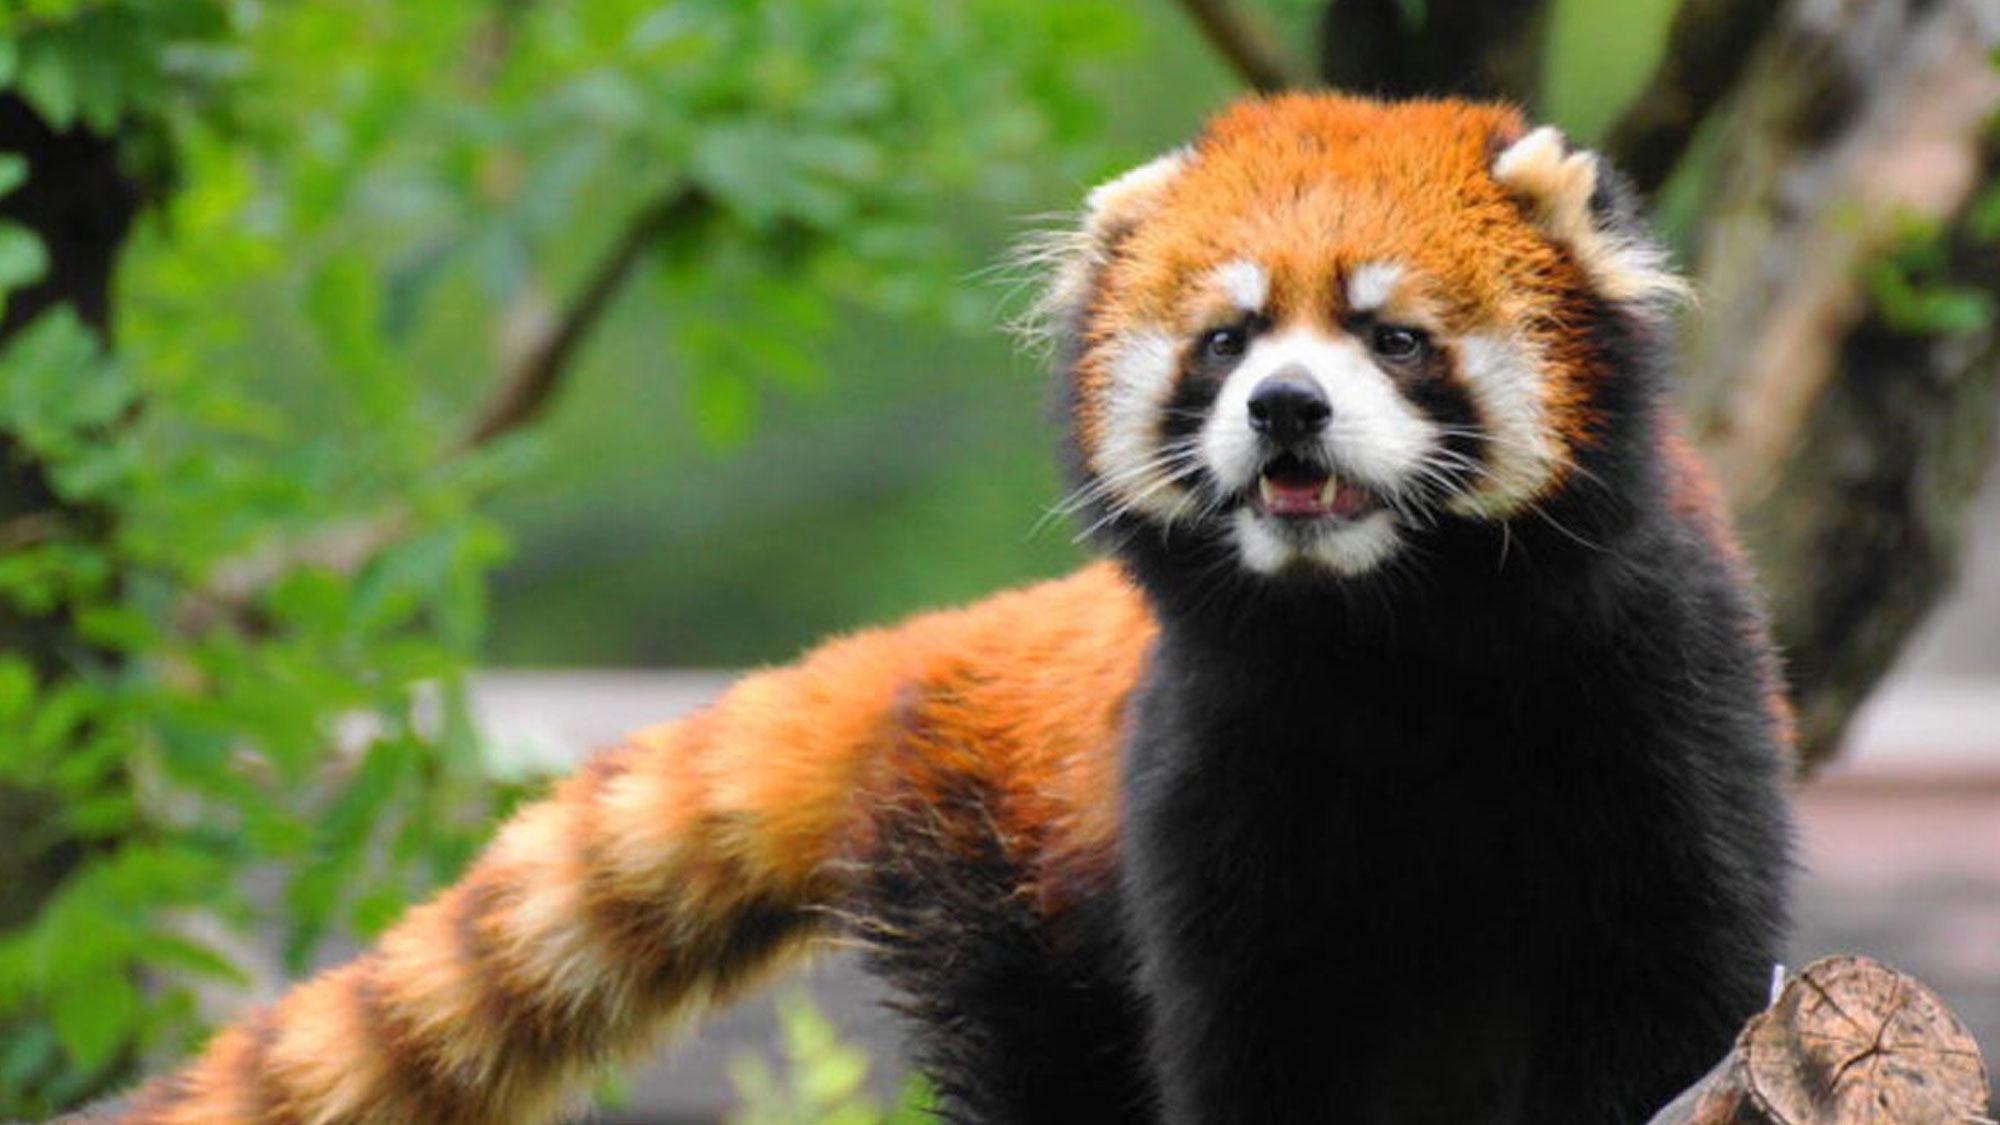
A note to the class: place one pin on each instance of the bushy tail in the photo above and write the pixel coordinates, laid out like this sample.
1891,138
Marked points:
662,875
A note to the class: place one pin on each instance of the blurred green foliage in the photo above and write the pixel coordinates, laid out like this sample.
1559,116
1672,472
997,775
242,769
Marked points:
188,737
312,725
356,201
919,471
1912,285
817,1078
99,63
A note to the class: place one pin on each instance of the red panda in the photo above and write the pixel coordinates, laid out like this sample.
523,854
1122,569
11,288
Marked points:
1412,759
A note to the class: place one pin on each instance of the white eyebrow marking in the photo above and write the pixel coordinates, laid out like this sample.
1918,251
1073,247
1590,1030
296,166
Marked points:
1371,283
1246,283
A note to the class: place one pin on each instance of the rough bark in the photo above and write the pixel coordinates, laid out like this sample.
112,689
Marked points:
1848,1041
1864,532
1850,449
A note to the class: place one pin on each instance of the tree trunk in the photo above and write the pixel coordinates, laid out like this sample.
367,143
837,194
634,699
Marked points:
81,204
1850,440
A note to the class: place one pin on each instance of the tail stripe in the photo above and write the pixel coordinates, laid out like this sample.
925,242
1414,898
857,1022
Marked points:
634,915
253,1074
537,1024
538,937
322,1062
426,1012
421,1085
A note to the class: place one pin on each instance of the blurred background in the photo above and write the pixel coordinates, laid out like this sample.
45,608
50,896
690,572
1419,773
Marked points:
396,400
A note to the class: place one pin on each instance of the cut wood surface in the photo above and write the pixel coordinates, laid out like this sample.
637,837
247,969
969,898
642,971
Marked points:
1849,1041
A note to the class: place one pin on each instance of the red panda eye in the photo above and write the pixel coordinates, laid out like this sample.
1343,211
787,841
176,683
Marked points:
1225,342
1396,342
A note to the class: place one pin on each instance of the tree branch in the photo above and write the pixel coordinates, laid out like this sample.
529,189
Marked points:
1864,530
31,528
1248,48
520,396
533,379
1708,50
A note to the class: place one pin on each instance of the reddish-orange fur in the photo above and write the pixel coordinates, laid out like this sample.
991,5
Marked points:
679,863
1310,186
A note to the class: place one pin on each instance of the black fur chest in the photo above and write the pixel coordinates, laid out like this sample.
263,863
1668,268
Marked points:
1415,819
1505,878
1417,862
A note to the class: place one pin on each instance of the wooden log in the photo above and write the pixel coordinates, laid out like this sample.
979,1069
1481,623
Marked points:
1849,1041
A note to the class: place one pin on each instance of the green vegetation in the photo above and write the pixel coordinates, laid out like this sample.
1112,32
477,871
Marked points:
819,1079
260,567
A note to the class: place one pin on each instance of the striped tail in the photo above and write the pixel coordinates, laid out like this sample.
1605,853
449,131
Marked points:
661,876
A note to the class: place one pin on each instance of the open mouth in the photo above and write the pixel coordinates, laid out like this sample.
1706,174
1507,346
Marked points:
1293,488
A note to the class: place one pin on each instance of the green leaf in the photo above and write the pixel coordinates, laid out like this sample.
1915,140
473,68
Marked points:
102,62
835,1074
17,684
375,910
58,716
191,956
725,407
93,1021
1982,217
13,167
23,260
345,307
1921,305
102,817
117,626
917,1104
29,1048
48,83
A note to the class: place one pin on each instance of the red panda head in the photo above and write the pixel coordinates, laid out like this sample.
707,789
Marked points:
1330,324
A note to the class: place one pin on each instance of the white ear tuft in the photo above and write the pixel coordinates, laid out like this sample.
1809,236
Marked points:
1558,187
1125,196
1067,257
1554,182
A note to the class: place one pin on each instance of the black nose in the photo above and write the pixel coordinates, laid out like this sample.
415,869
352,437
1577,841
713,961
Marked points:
1289,406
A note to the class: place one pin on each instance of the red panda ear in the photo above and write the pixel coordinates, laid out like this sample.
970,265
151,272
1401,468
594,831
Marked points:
1114,205
1566,195
1067,258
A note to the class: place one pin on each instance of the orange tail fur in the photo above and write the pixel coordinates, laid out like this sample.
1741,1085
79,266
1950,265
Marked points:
667,872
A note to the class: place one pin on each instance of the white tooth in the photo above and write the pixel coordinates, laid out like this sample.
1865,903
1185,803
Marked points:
1264,489
1328,491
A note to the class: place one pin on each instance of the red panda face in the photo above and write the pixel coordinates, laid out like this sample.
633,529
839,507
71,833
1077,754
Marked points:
1331,323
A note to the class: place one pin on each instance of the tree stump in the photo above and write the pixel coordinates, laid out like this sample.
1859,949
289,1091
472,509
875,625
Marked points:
1849,1041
